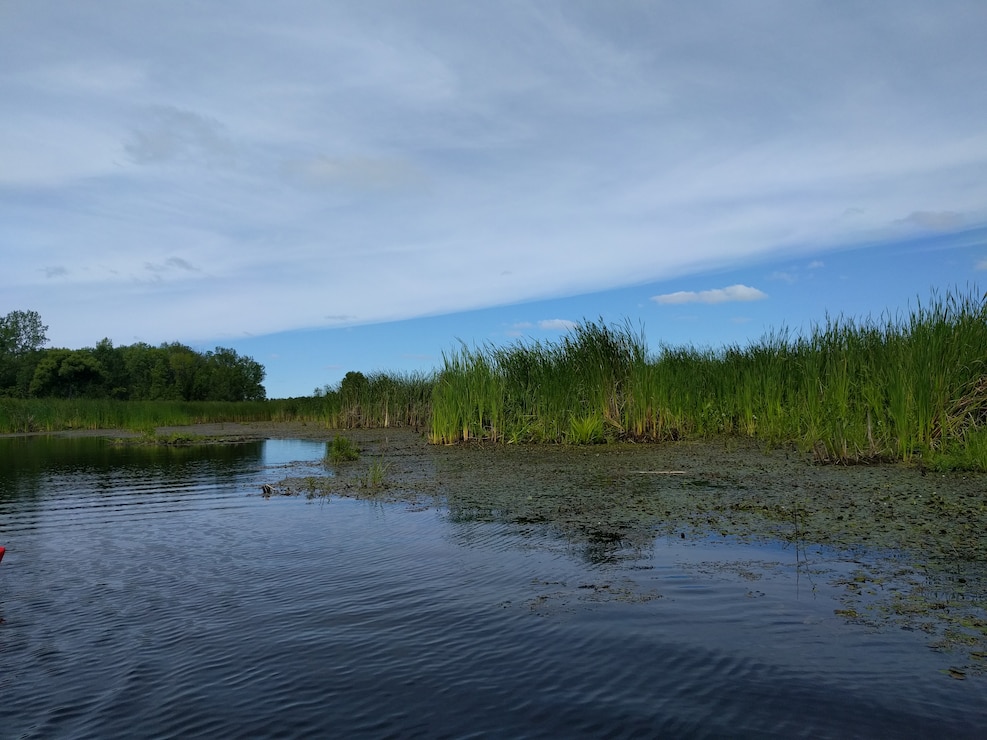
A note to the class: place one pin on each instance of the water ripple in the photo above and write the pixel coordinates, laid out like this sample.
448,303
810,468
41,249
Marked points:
167,602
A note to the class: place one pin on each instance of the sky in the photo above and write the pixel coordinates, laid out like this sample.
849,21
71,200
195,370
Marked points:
329,186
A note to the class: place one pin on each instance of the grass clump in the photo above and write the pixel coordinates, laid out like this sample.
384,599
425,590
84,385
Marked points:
376,475
340,450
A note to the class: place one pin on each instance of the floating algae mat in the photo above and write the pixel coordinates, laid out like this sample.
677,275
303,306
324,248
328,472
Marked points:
914,538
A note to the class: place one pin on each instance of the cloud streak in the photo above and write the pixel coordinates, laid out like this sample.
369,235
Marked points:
557,324
326,164
729,294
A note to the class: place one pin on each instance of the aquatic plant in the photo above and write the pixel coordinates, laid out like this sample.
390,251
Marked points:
585,430
376,475
341,449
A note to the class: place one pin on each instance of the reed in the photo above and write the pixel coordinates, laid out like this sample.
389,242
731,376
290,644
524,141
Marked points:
911,388
378,400
20,415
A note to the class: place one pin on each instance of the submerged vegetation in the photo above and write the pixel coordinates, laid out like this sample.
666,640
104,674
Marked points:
908,387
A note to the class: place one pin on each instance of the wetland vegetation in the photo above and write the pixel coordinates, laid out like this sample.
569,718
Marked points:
909,388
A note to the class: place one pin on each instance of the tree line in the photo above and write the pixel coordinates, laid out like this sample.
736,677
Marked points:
137,372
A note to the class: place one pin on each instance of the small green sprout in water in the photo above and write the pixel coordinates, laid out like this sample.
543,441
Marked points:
316,487
376,475
147,431
341,449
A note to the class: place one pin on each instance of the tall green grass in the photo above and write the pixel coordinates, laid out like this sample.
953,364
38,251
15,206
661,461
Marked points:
18,415
910,388
378,400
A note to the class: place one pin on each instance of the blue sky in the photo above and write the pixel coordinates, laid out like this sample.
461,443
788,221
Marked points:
331,186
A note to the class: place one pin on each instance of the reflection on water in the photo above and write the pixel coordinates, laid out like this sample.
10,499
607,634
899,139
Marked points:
155,592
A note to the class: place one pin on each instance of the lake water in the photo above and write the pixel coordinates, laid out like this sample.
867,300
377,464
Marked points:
154,592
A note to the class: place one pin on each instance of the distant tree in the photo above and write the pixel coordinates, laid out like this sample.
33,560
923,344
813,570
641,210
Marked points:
187,370
234,378
112,360
21,336
352,387
68,373
138,372
21,332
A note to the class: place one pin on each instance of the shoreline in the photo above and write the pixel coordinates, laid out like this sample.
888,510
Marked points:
228,432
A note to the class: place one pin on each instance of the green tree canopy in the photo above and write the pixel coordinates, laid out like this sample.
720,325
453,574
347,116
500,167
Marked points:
138,372
21,332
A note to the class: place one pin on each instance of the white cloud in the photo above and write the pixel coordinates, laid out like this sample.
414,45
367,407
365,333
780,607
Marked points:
329,164
718,295
982,265
557,324
816,264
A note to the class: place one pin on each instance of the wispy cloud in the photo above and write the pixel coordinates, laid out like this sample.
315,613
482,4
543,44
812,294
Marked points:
55,271
934,220
520,328
795,273
557,324
719,295
370,162
172,263
322,171
982,265
170,134
784,275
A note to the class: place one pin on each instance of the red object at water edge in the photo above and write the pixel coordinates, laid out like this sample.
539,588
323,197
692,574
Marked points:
2,551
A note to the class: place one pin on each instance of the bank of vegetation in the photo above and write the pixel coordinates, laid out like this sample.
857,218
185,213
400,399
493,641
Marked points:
132,386
909,387
25,415
136,372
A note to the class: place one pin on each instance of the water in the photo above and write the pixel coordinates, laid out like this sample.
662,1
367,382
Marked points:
154,592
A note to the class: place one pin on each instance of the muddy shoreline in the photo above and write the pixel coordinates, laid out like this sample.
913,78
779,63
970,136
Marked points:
215,433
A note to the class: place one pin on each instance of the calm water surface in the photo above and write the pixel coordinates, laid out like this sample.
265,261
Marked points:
155,593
